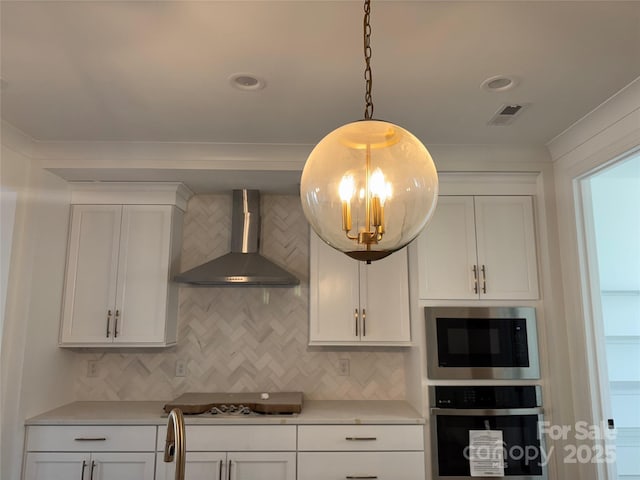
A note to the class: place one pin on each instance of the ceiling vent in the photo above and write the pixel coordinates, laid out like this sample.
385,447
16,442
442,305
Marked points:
507,114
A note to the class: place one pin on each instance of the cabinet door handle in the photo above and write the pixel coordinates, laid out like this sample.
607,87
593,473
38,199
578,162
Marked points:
220,470
108,323
360,439
90,439
355,316
115,326
484,279
93,466
84,466
229,471
350,477
364,322
475,279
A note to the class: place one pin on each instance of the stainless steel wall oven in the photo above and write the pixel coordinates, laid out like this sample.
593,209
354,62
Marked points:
487,432
482,343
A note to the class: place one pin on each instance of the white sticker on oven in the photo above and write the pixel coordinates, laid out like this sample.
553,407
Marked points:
486,453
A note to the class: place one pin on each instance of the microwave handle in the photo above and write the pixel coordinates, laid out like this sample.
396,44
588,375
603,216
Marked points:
479,412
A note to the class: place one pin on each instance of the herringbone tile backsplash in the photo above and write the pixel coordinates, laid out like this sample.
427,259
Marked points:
244,339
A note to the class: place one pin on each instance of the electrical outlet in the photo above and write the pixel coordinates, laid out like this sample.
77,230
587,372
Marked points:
343,367
181,368
92,368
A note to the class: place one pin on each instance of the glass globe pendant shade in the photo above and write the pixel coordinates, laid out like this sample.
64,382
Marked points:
369,188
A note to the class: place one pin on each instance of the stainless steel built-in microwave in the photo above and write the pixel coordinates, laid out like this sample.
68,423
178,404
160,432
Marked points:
482,343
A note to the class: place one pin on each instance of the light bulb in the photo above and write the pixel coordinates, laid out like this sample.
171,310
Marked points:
377,185
347,187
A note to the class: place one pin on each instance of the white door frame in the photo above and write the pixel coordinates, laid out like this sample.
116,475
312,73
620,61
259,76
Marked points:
592,308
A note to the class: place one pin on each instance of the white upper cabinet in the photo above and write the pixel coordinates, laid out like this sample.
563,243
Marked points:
92,270
480,247
118,284
352,303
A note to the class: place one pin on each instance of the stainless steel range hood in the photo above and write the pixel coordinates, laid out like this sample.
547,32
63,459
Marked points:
243,266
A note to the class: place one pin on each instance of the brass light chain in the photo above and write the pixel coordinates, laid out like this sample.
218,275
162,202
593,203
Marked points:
368,109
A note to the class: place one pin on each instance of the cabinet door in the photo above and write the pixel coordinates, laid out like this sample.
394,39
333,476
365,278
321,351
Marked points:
261,465
447,252
122,466
198,466
143,273
369,465
57,466
506,248
334,296
90,282
384,300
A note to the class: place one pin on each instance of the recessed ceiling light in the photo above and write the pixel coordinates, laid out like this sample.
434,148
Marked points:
499,83
246,81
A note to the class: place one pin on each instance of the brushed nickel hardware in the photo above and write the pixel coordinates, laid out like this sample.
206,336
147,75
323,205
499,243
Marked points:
175,444
115,327
90,439
93,466
84,466
364,322
360,476
484,279
108,323
360,439
355,315
475,279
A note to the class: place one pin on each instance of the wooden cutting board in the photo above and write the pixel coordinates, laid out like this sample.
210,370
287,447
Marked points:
278,402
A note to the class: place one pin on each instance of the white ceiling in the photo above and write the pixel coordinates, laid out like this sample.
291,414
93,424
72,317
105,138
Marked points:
158,70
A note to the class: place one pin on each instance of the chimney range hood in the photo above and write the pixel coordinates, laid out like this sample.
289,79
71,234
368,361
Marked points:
243,266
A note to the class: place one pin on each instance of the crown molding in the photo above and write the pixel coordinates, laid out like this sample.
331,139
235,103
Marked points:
619,116
163,155
16,140
131,193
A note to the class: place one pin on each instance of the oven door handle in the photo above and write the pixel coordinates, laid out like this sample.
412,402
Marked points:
475,412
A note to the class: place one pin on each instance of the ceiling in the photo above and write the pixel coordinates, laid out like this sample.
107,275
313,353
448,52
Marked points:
158,71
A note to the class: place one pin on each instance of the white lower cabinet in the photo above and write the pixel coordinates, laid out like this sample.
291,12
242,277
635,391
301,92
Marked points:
227,452
361,465
232,466
89,466
90,453
382,452
234,452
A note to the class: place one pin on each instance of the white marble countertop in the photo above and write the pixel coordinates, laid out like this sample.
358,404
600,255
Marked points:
348,412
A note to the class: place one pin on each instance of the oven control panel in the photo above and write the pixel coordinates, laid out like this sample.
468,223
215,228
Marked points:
481,396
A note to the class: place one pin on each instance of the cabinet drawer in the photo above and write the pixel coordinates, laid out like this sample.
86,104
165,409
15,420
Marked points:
358,465
89,438
360,437
226,438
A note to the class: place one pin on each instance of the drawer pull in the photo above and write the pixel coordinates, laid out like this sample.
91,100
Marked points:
360,439
90,439
350,477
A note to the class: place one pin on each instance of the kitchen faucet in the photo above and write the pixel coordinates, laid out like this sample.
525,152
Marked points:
175,444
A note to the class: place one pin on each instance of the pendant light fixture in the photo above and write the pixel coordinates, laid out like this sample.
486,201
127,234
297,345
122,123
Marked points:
369,187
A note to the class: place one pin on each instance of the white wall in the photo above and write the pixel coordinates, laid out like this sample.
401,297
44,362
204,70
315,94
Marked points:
35,374
612,130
